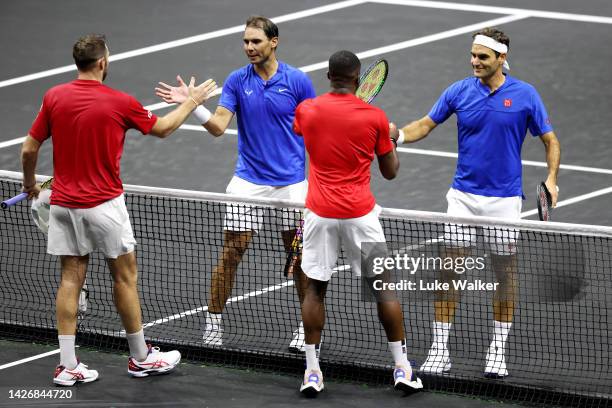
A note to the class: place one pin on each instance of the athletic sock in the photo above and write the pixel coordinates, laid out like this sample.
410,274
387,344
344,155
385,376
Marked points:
138,346
67,352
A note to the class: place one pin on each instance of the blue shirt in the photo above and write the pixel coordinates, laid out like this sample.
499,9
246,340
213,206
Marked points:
491,130
269,153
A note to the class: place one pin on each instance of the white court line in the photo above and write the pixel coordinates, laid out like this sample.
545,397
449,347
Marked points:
12,142
479,8
26,360
439,153
364,54
392,48
230,300
424,40
573,200
185,41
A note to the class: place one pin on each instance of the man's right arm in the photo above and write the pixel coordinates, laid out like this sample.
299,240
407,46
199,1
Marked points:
215,124
219,121
167,124
414,131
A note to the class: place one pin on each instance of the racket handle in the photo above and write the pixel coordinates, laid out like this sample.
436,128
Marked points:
291,264
12,201
293,257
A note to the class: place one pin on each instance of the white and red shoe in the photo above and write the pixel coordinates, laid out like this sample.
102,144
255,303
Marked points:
157,362
80,373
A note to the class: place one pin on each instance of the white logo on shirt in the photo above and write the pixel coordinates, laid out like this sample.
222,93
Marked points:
248,91
149,114
282,89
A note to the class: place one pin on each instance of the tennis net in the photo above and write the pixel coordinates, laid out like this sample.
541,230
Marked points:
557,352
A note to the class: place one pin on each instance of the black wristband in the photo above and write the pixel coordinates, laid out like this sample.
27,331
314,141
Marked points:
394,142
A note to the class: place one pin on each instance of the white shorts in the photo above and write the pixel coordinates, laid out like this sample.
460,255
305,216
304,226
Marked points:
79,231
244,217
323,237
460,203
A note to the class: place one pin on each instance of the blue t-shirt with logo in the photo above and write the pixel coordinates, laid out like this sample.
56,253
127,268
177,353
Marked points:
269,153
491,130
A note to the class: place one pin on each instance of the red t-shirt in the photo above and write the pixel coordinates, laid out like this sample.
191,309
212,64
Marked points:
87,121
341,133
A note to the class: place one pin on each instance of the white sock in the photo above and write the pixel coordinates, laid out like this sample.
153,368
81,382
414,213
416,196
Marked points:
398,350
312,357
441,331
500,334
138,346
214,318
67,353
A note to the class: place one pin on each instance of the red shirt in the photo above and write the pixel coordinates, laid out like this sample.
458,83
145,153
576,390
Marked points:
341,133
87,121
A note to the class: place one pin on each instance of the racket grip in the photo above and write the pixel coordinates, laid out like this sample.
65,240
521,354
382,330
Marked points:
293,257
291,264
12,201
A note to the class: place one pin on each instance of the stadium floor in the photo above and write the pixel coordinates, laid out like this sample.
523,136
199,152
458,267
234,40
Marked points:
563,58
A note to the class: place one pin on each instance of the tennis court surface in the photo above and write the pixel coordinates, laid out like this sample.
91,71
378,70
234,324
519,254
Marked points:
559,347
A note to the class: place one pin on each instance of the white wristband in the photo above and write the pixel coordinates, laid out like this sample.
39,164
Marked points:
202,114
400,139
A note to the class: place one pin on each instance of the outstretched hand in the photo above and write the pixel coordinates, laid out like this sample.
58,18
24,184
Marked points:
202,92
173,94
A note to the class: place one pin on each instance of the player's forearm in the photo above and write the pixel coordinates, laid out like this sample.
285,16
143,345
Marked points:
170,122
553,158
417,130
29,157
215,126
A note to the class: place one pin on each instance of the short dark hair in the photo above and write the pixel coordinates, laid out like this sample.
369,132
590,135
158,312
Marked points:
265,24
495,34
88,49
343,65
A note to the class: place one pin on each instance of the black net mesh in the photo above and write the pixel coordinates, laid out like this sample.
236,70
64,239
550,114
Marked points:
557,351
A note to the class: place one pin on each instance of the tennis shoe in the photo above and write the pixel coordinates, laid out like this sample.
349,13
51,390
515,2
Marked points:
157,362
313,383
496,363
80,373
406,380
213,334
437,362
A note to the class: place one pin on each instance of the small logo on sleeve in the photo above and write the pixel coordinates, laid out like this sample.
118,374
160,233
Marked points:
507,103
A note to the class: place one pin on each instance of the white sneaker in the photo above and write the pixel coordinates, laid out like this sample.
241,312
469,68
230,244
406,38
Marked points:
157,362
496,363
406,380
81,374
438,361
312,384
298,341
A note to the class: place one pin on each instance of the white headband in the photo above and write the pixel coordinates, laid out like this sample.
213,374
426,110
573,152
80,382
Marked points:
494,45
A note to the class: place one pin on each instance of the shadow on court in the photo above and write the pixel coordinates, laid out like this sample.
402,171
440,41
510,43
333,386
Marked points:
192,385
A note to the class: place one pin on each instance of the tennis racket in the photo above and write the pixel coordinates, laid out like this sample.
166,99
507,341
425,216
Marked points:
22,196
295,251
372,81
544,200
